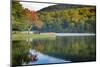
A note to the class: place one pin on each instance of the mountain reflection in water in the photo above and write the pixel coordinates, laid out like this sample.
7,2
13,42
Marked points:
59,50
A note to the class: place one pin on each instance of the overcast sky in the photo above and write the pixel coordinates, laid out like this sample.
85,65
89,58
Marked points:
38,6
34,6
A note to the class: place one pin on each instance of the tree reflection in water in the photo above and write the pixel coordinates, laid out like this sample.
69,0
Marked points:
73,48
76,49
20,53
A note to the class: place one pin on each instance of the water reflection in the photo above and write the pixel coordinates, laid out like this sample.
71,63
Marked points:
62,49
80,48
45,59
20,51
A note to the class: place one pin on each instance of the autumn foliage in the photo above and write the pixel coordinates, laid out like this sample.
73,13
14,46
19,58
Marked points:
33,18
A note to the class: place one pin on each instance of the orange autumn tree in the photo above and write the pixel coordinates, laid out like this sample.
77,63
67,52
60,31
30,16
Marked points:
32,19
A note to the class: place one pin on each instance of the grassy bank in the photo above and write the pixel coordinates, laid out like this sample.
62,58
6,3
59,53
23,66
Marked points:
24,36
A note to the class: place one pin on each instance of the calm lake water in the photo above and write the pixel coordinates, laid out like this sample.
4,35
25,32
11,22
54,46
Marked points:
59,50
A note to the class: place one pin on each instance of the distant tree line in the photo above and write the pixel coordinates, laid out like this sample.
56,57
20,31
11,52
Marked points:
71,19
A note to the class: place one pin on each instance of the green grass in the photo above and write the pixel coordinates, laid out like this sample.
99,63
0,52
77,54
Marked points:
24,36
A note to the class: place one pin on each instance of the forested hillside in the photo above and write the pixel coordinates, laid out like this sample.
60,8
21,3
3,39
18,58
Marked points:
68,18
63,18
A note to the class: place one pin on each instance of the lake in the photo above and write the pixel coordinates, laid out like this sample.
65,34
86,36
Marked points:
62,49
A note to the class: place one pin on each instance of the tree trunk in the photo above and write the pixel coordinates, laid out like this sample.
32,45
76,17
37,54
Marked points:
29,29
29,33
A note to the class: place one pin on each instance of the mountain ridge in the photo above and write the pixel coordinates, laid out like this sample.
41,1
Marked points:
62,7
